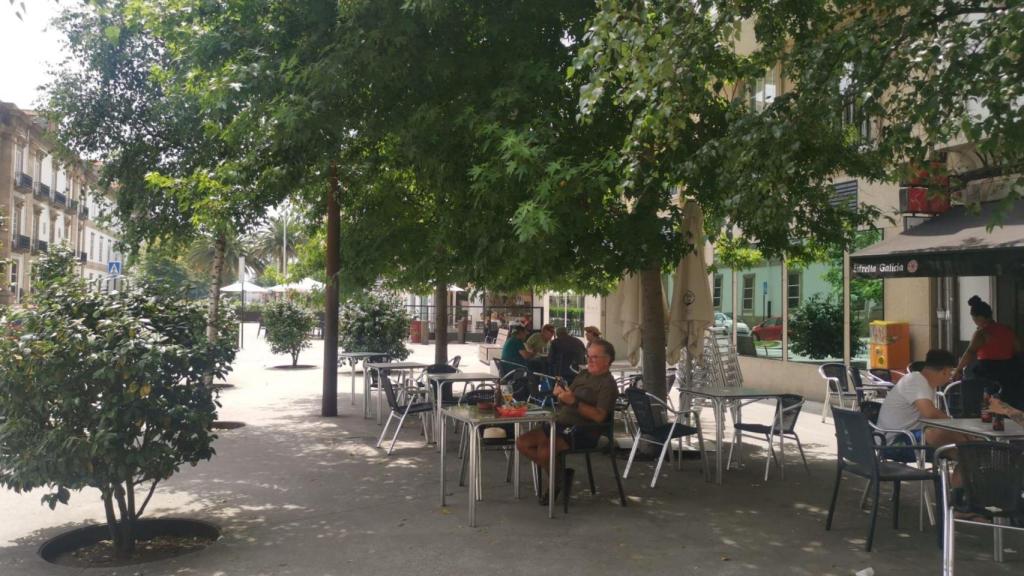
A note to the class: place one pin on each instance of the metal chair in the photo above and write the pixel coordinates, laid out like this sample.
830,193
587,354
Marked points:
401,411
783,426
837,385
859,455
963,398
606,430
992,478
653,430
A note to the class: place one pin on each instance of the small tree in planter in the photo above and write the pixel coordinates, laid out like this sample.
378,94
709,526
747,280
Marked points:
104,390
374,322
288,326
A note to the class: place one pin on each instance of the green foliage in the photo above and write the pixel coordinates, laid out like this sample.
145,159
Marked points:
104,390
288,326
160,269
374,322
816,329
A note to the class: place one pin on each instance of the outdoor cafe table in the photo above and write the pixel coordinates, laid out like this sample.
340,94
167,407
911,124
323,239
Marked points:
353,358
475,419
719,397
396,366
465,377
975,427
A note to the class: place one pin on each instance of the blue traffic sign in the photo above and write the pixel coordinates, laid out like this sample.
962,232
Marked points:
114,268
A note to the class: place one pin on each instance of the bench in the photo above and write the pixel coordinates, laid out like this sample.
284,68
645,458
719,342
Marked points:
486,352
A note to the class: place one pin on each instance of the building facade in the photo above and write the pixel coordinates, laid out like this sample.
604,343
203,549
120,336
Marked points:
47,201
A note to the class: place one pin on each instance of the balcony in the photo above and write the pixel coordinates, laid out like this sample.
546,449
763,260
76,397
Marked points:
21,243
23,182
42,191
83,257
60,200
84,213
72,206
41,246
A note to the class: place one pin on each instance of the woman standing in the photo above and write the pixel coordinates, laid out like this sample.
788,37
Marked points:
991,351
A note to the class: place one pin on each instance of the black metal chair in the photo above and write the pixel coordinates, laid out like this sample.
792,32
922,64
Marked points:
401,411
992,479
606,429
789,405
963,399
859,455
837,385
444,388
654,430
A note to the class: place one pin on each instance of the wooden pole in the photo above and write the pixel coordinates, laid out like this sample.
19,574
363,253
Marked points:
329,405
441,322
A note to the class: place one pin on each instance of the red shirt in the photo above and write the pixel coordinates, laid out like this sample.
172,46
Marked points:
998,344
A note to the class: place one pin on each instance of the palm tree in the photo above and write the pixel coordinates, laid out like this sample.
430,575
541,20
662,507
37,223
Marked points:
201,253
269,241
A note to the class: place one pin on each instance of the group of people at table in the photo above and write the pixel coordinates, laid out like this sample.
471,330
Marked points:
589,396
991,354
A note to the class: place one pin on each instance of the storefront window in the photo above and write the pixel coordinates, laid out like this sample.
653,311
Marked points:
566,309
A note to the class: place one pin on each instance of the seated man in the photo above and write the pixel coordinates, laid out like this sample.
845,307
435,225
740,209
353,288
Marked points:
564,353
514,351
537,344
590,399
913,398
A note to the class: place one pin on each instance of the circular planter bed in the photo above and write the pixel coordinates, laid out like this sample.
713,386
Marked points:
226,425
158,539
296,367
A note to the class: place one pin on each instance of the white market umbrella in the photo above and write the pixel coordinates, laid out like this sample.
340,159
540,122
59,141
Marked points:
249,287
279,289
692,311
304,285
629,316
455,288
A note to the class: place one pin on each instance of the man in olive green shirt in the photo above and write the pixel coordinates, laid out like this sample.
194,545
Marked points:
590,399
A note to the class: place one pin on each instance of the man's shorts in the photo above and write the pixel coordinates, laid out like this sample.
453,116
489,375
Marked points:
576,438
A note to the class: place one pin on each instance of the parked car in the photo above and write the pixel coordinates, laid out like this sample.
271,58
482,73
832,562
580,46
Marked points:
726,322
770,329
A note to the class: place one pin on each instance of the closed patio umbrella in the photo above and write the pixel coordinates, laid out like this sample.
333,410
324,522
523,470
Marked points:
692,310
629,317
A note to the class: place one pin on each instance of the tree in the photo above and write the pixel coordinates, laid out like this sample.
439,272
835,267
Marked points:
277,240
288,327
104,390
375,322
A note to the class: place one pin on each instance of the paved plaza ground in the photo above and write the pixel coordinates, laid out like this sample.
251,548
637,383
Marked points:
298,494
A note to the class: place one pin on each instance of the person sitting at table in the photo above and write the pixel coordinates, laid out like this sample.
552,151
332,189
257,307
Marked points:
589,399
913,398
514,351
591,333
565,353
538,341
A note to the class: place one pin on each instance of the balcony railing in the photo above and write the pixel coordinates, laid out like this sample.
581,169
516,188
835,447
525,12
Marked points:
72,205
83,257
23,181
42,191
21,243
84,213
60,200
41,246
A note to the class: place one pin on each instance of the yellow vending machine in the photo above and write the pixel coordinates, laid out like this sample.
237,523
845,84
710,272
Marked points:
890,345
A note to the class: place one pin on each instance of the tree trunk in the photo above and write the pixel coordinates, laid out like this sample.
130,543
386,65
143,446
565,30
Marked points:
213,309
329,403
441,323
652,322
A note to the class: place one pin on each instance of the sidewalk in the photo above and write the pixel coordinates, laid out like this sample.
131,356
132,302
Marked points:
297,494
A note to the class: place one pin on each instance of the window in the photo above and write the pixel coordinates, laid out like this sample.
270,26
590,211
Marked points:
793,280
748,293
853,110
39,168
19,160
92,245
14,277
110,249
762,92
16,223
716,291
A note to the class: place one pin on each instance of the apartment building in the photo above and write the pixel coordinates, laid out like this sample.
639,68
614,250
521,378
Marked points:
46,201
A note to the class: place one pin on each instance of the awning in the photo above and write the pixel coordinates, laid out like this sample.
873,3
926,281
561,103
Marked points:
956,243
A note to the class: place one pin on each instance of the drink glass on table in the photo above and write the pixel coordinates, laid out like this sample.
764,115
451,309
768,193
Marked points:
997,423
986,415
